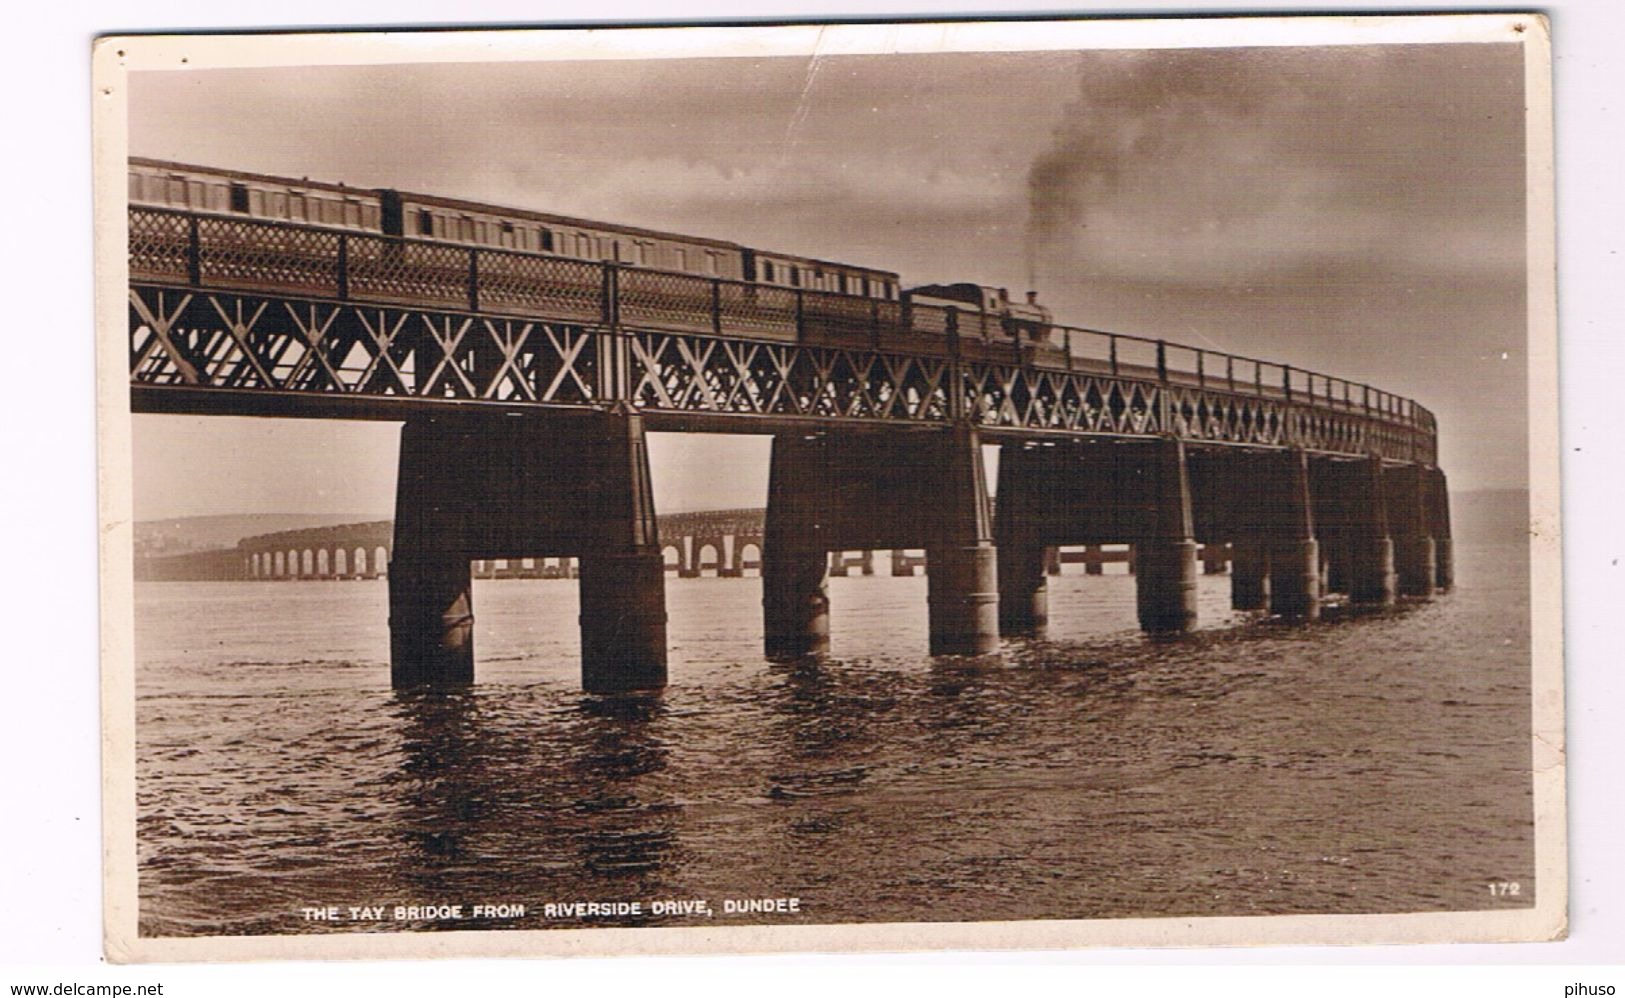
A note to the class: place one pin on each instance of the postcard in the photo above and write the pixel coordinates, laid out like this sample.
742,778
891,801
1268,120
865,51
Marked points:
961,484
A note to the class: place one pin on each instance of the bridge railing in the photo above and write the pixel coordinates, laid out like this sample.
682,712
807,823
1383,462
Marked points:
178,247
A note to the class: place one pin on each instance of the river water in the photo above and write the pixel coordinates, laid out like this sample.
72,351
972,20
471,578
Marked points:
1378,763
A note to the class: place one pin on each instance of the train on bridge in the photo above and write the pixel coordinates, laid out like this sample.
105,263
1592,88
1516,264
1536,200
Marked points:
528,354
834,301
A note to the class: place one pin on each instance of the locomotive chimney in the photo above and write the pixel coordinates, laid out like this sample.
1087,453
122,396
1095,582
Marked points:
1032,298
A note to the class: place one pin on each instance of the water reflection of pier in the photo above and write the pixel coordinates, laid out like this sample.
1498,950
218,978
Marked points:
488,810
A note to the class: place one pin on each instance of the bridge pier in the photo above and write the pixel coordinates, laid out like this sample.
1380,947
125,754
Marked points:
1294,554
1095,494
962,589
1335,550
841,565
795,597
582,488
862,491
1444,555
1164,557
962,594
1371,550
431,602
1023,560
1249,572
1052,559
1329,484
623,621
621,572
732,564
688,558
1407,490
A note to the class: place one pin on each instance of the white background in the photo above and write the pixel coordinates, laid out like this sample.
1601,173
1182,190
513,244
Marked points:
50,878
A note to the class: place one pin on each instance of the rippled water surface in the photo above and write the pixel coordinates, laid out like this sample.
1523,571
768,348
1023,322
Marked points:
1354,765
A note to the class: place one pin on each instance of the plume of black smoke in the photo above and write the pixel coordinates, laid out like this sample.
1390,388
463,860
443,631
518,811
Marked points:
1134,109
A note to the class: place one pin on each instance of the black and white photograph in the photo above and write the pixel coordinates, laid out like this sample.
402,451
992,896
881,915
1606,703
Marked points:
1026,483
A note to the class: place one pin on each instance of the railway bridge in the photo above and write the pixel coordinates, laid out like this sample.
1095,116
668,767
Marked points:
525,384
727,542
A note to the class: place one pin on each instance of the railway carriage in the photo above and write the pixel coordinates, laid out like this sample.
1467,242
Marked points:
420,216
414,246
806,273
254,195
254,229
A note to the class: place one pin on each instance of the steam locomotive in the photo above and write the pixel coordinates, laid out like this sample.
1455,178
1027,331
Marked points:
845,298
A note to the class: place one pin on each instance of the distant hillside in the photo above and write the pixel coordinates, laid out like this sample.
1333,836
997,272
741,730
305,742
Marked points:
155,538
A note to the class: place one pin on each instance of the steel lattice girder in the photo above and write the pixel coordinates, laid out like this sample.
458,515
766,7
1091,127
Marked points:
274,354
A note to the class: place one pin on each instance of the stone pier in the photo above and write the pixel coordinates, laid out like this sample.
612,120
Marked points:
1023,558
866,491
1408,491
1165,553
1289,526
1372,581
581,490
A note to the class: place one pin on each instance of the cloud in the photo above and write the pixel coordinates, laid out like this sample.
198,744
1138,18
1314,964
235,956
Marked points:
1257,165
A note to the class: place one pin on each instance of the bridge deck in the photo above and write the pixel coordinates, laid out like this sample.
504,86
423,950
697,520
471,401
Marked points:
246,317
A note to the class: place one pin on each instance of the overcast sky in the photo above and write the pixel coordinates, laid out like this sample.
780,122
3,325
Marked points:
1355,210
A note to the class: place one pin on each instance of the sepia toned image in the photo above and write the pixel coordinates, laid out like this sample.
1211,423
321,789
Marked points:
844,486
